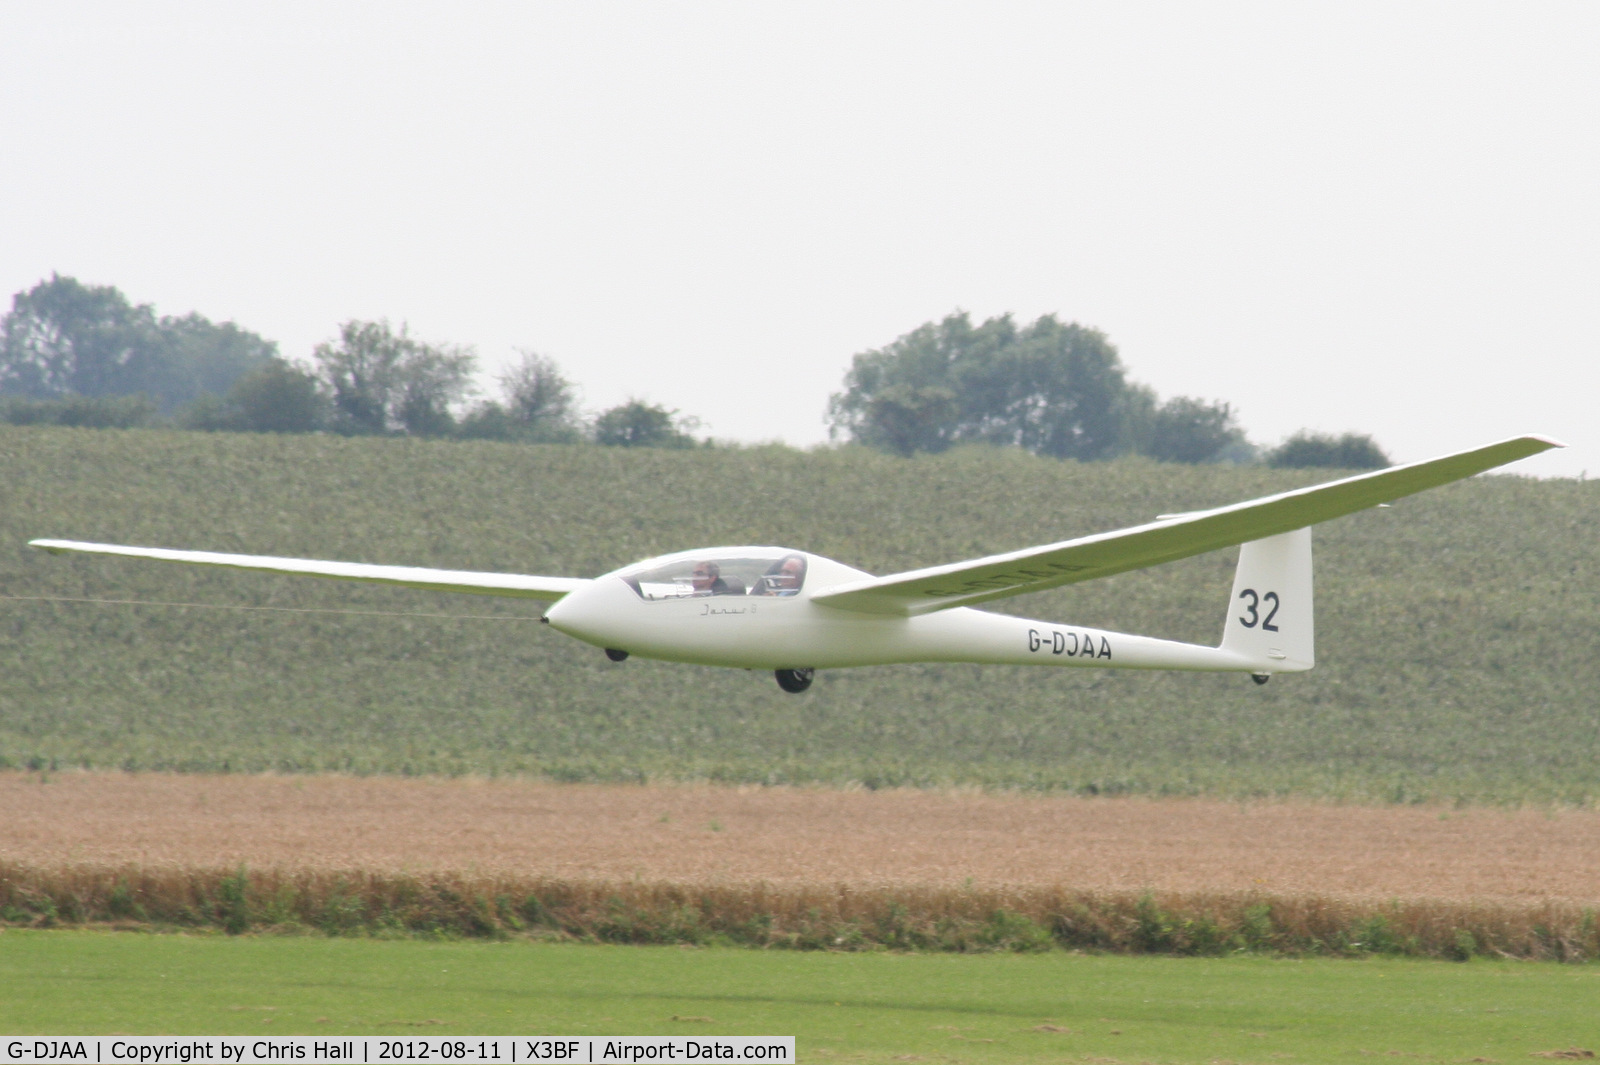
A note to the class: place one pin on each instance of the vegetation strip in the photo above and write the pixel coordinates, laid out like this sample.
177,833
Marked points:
801,918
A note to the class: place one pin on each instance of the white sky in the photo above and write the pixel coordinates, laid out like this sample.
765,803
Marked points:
1373,216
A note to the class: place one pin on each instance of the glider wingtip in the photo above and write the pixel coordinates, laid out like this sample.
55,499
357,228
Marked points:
1525,446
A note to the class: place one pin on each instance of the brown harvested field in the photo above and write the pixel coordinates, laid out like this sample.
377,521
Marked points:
797,837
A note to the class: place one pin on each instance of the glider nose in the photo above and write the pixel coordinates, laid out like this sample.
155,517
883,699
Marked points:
558,614
590,613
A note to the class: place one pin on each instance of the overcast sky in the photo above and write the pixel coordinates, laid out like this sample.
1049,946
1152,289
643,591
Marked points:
1381,217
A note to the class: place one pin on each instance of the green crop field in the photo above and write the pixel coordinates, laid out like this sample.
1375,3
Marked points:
1457,630
874,1007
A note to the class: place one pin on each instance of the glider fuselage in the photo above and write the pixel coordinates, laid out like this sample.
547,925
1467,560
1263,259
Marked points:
654,610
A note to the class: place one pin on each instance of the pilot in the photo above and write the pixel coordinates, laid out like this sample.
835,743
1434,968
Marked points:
784,578
708,579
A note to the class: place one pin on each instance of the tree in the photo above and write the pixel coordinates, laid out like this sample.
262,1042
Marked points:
1306,449
540,406
203,357
382,381
639,424
1185,429
540,401
278,398
63,338
1052,388
905,418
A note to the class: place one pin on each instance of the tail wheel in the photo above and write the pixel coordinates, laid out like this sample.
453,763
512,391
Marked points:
794,681
616,655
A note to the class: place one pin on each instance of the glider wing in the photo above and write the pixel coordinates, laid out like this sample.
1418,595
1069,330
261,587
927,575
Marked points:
439,580
1165,540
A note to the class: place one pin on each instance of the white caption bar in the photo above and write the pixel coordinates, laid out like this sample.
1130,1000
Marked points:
473,1050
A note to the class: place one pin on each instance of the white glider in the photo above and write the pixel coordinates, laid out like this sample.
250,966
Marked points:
794,612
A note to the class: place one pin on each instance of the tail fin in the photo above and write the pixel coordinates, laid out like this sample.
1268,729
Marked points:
1269,613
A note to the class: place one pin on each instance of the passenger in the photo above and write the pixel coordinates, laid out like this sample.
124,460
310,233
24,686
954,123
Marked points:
708,579
784,577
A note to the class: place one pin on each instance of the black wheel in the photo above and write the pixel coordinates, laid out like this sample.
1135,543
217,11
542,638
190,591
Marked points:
616,655
794,681
1261,678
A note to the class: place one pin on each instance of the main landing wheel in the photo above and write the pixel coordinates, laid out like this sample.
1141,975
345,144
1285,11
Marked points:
616,655
1261,678
794,681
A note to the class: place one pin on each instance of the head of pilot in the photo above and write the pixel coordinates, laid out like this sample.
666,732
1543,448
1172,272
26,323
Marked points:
787,573
790,569
705,575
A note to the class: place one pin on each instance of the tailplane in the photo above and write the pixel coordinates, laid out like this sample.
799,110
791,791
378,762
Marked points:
1269,613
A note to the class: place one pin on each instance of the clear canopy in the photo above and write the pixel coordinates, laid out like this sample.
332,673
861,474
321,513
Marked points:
750,571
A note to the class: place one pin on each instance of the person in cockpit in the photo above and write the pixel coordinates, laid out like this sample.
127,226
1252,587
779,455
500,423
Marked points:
783,578
707,580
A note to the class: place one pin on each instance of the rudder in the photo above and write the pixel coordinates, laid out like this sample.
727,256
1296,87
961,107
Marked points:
1270,610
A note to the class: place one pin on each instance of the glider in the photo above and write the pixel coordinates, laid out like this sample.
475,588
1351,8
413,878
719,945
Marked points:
794,612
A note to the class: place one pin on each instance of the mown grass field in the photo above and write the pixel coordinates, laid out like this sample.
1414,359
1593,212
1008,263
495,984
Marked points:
880,1007
1457,631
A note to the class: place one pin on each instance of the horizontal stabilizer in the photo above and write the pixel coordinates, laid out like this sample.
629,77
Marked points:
439,580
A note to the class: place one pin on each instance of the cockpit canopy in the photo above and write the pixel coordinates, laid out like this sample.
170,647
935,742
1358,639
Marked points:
769,571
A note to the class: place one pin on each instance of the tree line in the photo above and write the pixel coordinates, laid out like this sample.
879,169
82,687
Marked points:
75,354
1050,387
